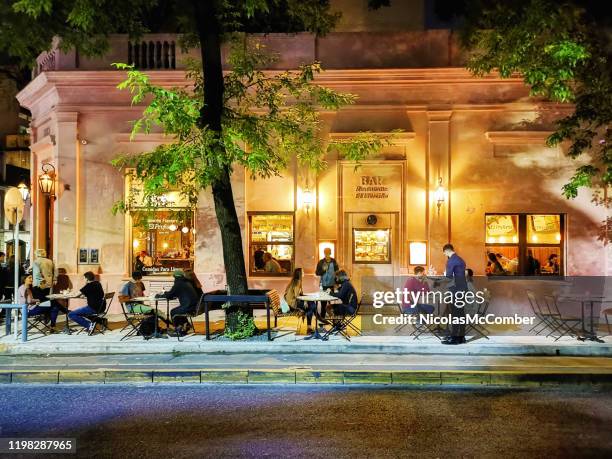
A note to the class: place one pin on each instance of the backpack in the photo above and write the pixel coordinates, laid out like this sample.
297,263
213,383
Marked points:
147,326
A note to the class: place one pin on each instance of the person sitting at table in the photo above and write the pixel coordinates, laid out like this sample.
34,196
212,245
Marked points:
552,265
293,290
188,302
94,293
271,265
416,287
190,275
346,293
494,267
134,288
25,295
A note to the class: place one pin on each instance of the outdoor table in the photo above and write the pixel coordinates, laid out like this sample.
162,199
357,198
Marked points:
67,297
150,300
318,297
215,297
591,300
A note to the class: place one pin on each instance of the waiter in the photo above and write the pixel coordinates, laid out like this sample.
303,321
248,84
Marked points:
455,272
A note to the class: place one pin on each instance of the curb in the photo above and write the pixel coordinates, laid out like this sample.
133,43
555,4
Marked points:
292,377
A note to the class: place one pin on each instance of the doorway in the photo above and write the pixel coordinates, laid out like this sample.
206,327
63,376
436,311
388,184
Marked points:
371,251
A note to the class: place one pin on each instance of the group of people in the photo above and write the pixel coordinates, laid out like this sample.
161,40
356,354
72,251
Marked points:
37,285
499,265
333,281
186,288
265,261
459,279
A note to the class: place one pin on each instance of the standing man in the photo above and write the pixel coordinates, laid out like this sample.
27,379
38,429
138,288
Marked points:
326,270
42,273
455,272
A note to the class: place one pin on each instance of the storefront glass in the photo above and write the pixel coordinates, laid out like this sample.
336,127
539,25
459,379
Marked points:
372,245
525,244
162,240
271,244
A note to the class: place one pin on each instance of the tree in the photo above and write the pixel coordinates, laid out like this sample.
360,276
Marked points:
214,120
562,51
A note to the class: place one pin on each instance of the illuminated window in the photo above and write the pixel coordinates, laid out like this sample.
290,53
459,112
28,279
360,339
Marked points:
162,240
372,245
271,244
525,244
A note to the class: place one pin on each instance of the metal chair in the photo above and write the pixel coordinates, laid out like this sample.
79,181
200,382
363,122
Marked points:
565,324
481,330
340,324
100,319
546,318
190,315
133,320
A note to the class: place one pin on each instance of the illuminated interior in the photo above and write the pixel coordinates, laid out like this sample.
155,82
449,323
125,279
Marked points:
162,241
271,234
372,245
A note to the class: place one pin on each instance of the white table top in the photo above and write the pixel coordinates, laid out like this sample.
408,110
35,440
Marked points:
64,296
317,296
147,299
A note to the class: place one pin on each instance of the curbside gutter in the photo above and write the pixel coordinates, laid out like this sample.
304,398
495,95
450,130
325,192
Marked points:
508,379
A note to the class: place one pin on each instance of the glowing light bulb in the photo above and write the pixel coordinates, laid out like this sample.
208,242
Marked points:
534,238
184,229
172,227
136,243
514,238
558,237
502,239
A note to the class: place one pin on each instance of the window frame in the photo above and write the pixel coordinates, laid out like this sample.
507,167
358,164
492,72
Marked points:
366,262
524,245
250,262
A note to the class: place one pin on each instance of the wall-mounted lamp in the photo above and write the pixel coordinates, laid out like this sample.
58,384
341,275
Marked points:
326,245
46,181
440,194
23,190
417,253
307,199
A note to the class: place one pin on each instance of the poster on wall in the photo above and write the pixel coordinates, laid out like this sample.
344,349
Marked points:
94,256
83,256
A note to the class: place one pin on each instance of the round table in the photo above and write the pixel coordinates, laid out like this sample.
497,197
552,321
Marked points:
318,297
65,296
150,300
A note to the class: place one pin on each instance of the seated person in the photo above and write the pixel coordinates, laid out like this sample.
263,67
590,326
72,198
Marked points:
134,288
416,285
188,302
25,295
271,265
293,290
94,293
346,293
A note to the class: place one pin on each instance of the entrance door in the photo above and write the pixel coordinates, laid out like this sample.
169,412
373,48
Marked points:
371,251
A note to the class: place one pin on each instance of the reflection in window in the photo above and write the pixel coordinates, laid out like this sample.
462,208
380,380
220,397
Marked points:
543,229
502,260
162,240
371,245
271,244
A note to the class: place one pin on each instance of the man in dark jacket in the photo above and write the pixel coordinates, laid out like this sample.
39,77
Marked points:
94,293
188,302
455,273
326,270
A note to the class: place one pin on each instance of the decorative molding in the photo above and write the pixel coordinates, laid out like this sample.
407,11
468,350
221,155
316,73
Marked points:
397,138
45,142
518,137
439,115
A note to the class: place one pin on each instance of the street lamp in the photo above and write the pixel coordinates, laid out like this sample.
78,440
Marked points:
46,181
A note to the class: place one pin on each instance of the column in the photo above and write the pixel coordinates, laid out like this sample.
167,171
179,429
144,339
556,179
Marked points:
66,206
438,166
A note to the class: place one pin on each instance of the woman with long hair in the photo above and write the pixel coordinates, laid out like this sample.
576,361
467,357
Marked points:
293,291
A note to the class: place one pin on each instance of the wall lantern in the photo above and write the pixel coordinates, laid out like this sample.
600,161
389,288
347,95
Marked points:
440,194
23,190
46,181
417,253
307,199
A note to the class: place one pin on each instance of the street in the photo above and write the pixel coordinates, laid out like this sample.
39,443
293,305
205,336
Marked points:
176,421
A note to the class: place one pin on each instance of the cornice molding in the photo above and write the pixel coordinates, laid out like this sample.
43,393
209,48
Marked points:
518,137
395,138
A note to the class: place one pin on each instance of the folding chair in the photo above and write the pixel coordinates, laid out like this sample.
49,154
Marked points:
566,325
545,318
100,318
478,328
133,320
190,315
341,323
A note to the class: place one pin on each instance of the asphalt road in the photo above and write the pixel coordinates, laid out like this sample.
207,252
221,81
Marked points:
192,421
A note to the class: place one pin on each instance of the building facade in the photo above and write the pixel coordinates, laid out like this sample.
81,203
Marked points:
469,166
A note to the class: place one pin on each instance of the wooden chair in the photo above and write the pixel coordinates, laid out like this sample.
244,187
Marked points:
100,319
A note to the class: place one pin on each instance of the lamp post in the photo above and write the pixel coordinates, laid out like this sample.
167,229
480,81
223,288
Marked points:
46,184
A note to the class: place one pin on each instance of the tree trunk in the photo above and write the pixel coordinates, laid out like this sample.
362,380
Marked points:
209,32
